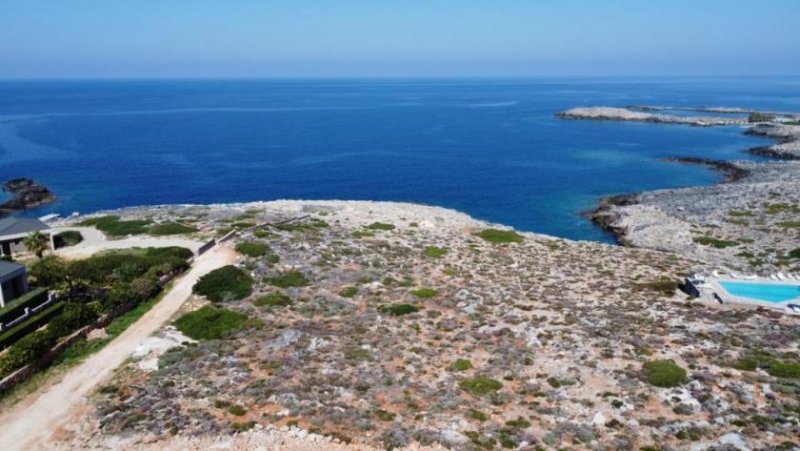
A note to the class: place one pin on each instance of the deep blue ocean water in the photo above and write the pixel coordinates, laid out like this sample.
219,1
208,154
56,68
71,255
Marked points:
489,147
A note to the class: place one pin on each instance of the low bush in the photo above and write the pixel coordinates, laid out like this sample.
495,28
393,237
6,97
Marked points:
253,248
435,252
380,226
211,323
67,238
425,293
398,309
274,299
664,286
28,349
461,365
73,317
500,236
288,280
170,228
665,373
480,386
477,415
224,284
714,242
348,292
112,225
787,370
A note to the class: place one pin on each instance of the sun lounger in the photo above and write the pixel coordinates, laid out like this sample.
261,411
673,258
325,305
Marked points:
782,276
773,277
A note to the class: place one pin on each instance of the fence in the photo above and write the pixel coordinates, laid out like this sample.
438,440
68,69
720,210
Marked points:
206,247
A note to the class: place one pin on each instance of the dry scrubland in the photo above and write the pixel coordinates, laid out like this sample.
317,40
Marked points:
390,325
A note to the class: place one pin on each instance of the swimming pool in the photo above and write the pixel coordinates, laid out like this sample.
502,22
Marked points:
767,292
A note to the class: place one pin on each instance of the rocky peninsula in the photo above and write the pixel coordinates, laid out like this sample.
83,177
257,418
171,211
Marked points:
749,222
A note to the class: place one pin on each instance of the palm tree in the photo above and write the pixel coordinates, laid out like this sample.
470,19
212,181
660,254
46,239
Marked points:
37,242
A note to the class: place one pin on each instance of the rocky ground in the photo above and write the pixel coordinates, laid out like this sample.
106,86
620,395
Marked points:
536,344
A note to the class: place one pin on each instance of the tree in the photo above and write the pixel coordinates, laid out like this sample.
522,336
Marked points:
37,242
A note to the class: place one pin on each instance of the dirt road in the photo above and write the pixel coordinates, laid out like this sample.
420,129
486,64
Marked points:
30,424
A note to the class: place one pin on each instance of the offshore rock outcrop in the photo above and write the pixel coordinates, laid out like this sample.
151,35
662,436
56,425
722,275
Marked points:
27,194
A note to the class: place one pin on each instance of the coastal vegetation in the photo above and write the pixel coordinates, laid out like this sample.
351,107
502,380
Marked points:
252,248
114,226
435,252
664,373
288,279
37,242
500,236
228,283
87,289
715,242
68,238
211,323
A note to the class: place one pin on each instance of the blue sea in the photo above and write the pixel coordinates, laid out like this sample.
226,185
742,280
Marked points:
489,147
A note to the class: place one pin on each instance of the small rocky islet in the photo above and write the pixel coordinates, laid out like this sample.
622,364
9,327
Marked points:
26,194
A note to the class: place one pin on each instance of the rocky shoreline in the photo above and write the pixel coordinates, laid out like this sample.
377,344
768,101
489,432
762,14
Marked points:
745,222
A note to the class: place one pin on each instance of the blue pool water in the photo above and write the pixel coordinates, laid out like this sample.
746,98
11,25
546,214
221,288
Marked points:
489,147
769,292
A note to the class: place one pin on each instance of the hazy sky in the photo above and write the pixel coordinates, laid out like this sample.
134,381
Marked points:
249,38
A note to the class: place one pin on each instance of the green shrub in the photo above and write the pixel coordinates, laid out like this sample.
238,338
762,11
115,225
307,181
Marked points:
665,373
288,280
67,238
28,349
348,292
714,242
252,248
435,252
480,386
500,236
477,415
242,426
795,253
274,299
789,224
664,286
461,365
113,226
73,317
235,409
519,423
425,293
384,415
380,226
224,284
398,309
784,369
210,323
170,228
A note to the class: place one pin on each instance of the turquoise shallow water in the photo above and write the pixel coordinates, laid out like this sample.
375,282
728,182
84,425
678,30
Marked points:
768,292
489,147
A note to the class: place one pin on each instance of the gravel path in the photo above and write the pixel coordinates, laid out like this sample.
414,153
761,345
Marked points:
30,424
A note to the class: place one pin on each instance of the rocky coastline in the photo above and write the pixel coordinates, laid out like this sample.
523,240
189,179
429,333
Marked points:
26,193
744,222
